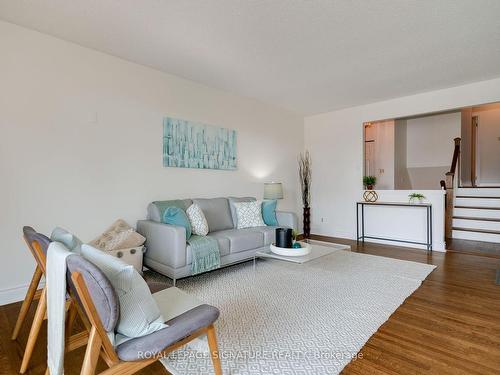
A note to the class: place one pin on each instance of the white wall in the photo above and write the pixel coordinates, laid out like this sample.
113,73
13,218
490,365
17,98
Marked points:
81,143
488,145
407,223
335,140
430,140
382,135
430,145
401,176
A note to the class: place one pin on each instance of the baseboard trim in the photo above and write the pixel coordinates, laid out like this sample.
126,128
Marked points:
15,294
438,246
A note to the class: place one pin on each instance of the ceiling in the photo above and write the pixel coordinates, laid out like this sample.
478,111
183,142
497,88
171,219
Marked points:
306,56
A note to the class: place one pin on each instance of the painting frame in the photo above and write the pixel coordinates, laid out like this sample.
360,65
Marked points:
190,144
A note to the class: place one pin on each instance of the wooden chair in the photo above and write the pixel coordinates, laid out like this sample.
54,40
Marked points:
33,292
38,245
96,297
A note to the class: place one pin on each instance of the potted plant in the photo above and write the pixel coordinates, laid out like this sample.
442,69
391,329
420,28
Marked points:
305,187
369,182
416,198
296,243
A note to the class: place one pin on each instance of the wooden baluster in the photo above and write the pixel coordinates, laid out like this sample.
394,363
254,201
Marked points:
449,206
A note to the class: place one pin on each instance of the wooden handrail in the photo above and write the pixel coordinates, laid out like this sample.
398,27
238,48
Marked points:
448,185
456,154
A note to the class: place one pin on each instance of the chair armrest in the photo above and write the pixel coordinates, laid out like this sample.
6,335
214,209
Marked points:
287,219
165,243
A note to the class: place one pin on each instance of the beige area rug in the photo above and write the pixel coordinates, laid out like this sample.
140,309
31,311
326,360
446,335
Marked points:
285,318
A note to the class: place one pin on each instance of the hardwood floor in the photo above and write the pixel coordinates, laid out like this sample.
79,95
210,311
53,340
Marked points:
450,325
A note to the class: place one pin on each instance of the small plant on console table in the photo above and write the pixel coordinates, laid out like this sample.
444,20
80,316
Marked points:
416,198
369,182
305,187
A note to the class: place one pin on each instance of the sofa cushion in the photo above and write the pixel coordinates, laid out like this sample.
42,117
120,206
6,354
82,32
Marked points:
269,233
216,212
156,209
232,201
223,247
241,239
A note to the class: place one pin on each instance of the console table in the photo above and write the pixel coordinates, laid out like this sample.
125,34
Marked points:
360,206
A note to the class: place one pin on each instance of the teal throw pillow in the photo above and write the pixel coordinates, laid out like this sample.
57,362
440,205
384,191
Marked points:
269,212
177,216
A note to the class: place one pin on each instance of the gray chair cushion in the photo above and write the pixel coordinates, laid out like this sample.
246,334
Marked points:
178,329
241,239
233,200
100,289
32,235
223,247
217,213
157,208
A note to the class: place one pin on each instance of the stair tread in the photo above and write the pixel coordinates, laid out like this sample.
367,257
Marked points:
477,230
476,197
477,218
479,207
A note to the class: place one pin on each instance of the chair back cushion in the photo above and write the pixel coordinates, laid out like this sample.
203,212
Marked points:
31,235
216,212
100,289
139,313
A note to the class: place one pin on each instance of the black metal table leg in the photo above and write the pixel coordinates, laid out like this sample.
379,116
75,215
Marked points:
430,227
357,223
363,223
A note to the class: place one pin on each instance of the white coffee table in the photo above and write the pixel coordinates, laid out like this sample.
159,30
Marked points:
317,250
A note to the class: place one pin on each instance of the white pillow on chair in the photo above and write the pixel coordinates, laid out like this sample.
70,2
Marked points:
249,214
68,239
139,313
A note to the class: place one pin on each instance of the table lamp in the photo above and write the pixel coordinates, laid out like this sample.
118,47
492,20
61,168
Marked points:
273,190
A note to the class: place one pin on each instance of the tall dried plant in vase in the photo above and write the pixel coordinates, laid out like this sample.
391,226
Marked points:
305,186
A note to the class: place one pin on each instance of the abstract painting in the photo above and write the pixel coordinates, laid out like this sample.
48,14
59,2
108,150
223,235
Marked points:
188,144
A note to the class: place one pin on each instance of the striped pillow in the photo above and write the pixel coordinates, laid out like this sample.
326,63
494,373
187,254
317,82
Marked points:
139,313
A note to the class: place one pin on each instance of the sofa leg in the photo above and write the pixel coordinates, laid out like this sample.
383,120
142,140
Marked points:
174,281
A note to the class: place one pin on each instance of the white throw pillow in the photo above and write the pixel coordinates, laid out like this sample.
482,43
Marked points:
197,219
249,214
139,313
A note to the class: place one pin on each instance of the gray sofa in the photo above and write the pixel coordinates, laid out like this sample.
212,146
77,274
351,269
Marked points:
168,253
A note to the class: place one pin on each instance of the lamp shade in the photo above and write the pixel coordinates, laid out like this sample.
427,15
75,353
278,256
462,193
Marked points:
273,190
